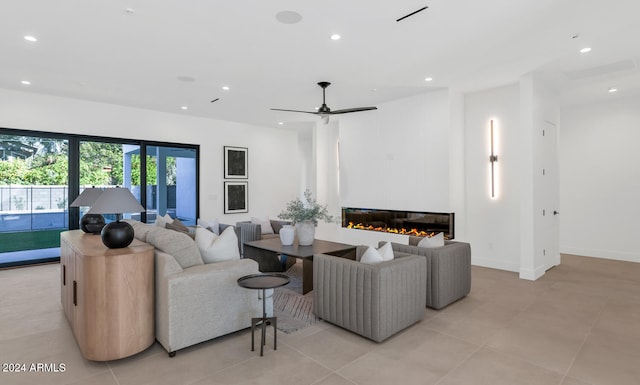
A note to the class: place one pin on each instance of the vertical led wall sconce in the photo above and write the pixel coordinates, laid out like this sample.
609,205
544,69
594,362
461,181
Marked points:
493,158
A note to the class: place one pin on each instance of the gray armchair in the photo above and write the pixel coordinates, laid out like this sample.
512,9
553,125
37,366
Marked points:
449,270
267,261
374,301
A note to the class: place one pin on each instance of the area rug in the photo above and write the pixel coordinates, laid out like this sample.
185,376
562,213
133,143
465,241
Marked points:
294,310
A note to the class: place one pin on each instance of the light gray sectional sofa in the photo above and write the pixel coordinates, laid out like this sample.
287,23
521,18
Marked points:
194,301
375,301
448,267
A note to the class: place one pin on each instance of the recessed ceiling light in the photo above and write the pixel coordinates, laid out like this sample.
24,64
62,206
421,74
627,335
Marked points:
26,82
428,79
30,38
280,123
585,50
184,108
335,36
612,90
226,88
288,17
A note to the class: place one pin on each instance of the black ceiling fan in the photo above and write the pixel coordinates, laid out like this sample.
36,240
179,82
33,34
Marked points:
324,111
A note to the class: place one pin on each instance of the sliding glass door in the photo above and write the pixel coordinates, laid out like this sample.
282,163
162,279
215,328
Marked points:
108,165
40,173
171,174
33,197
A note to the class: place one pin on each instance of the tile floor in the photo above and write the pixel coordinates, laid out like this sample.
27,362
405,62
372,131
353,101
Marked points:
577,325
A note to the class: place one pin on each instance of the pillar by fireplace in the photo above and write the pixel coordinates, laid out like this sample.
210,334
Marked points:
420,223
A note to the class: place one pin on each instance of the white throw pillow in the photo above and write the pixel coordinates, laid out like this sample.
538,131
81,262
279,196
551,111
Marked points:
435,241
386,251
265,224
371,256
374,256
217,248
212,225
163,220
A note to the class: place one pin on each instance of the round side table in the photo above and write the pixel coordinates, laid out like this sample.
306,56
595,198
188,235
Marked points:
263,282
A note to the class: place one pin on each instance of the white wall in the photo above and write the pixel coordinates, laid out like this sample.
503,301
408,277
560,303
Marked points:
396,158
274,156
600,180
493,225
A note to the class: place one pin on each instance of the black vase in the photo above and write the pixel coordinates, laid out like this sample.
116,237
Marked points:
92,223
116,235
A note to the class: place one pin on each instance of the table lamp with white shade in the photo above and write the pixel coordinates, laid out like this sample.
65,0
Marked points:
89,223
117,201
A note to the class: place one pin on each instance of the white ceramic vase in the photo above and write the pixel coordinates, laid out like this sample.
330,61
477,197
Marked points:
306,232
287,235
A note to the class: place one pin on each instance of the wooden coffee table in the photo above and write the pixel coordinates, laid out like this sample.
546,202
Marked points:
266,248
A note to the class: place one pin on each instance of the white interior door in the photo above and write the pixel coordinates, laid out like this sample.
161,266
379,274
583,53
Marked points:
550,195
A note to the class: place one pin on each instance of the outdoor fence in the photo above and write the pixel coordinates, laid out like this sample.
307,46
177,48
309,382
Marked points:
25,208
30,208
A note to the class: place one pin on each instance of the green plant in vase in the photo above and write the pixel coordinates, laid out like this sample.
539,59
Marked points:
305,216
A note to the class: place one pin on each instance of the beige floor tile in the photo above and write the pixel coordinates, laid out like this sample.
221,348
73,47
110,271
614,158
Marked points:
76,369
333,347
581,316
105,378
573,381
516,295
620,317
608,358
417,356
487,367
283,367
543,338
188,365
474,324
334,379
34,347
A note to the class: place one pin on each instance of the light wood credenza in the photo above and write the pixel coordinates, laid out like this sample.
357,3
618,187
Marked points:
107,295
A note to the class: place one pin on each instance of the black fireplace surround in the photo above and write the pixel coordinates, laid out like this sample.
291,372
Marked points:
399,222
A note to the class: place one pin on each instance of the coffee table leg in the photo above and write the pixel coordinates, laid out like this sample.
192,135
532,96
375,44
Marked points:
307,275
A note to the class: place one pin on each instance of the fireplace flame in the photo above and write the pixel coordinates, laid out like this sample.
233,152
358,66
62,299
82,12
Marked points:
403,231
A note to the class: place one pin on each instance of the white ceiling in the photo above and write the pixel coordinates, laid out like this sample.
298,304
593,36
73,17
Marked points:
97,50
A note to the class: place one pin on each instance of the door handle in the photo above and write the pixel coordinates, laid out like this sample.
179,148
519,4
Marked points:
556,212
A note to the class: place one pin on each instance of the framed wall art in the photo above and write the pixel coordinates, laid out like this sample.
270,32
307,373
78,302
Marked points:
236,197
236,165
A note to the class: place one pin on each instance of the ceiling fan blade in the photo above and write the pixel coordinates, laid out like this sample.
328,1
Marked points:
305,112
348,110
324,111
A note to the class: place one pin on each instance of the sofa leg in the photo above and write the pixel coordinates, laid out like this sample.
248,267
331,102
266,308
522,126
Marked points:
172,354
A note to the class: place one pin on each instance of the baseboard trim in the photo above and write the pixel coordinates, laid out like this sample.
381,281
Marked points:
604,254
532,275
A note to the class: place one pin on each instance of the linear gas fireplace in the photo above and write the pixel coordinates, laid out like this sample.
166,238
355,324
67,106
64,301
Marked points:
399,222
